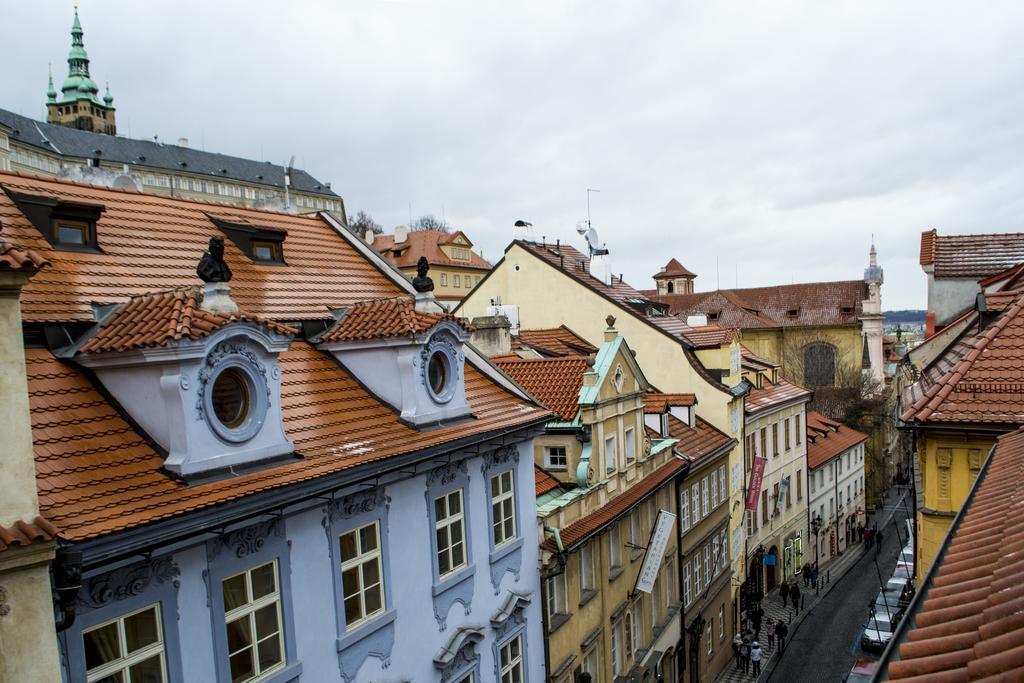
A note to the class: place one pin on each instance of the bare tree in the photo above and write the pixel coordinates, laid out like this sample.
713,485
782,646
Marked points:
363,222
430,222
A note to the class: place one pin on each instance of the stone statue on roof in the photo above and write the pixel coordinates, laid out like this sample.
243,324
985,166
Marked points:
212,267
422,282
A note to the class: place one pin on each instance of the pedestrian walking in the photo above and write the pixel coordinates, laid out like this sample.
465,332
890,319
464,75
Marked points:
781,631
878,542
770,630
755,657
794,595
736,642
806,571
745,656
784,592
868,535
756,622
860,532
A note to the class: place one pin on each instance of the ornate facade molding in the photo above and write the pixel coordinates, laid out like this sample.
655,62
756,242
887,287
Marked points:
358,503
127,581
500,456
221,352
446,474
250,540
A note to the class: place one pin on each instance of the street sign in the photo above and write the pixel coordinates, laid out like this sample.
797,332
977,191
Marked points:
655,553
754,485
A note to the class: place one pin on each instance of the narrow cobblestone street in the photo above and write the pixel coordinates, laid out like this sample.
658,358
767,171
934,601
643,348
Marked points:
824,639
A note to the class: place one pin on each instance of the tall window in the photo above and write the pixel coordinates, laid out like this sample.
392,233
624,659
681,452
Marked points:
450,529
697,585
503,508
775,439
797,430
129,648
721,483
591,660
635,531
704,497
556,597
695,502
785,434
617,637
555,457
252,605
628,444
684,509
610,454
361,574
764,506
457,280
721,622
708,565
799,485
714,489
587,582
511,655
764,442
630,634
723,562
819,365
687,591
614,547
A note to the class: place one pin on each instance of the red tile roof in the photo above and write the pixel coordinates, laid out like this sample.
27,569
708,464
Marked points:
969,625
674,269
14,258
973,256
23,533
928,246
543,482
557,341
657,402
812,304
426,243
385,318
751,359
587,525
711,336
97,475
828,438
978,378
1011,275
699,441
773,395
155,319
555,382
151,242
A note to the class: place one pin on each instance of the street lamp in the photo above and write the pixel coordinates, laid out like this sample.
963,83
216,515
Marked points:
816,525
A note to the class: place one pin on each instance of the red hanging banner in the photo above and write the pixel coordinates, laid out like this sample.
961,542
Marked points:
754,485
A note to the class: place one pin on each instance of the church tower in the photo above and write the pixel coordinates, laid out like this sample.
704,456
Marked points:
79,104
873,321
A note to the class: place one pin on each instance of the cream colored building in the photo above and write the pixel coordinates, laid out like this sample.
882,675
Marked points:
28,637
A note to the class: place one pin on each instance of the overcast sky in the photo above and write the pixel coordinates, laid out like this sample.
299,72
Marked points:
768,139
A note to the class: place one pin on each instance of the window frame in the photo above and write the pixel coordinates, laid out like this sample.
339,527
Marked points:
363,557
629,444
615,550
450,521
610,445
684,508
500,499
127,660
248,612
549,464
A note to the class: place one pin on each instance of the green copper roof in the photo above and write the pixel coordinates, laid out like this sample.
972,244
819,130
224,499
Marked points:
79,85
51,94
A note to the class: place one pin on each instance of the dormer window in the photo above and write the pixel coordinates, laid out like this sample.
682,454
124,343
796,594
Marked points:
261,243
712,315
847,309
67,226
793,312
72,233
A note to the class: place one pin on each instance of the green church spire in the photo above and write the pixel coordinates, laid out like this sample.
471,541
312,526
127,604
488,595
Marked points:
78,84
51,94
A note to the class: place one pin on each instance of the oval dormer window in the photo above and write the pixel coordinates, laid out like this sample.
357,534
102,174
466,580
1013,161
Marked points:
235,395
442,361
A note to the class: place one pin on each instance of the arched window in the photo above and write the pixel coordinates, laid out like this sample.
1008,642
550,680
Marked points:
819,365
671,287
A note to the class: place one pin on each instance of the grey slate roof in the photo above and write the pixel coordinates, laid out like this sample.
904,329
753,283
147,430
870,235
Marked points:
156,155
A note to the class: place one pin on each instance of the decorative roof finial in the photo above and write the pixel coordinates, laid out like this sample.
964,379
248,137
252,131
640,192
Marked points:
422,282
108,98
212,267
51,93
611,321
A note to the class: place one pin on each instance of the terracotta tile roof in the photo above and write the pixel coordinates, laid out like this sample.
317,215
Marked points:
699,441
555,382
754,361
385,318
23,533
97,475
155,319
556,341
798,305
586,526
150,242
1011,275
674,269
426,243
14,258
772,395
543,482
657,402
828,438
975,256
978,378
969,622
711,336
928,247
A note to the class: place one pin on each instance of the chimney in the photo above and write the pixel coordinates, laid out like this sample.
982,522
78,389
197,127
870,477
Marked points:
523,231
929,324
401,234
182,142
368,236
492,336
601,266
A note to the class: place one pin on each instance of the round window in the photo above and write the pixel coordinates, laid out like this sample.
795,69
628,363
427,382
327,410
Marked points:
230,398
437,372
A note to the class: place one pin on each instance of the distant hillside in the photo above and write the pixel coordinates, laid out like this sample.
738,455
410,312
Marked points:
905,317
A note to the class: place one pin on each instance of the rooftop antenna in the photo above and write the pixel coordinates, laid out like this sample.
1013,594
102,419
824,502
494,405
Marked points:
737,275
589,190
586,229
718,277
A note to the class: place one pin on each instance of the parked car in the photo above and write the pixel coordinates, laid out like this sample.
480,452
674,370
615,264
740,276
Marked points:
878,631
902,589
888,605
903,571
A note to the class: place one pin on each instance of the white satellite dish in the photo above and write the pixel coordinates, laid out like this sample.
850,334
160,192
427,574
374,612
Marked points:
592,241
